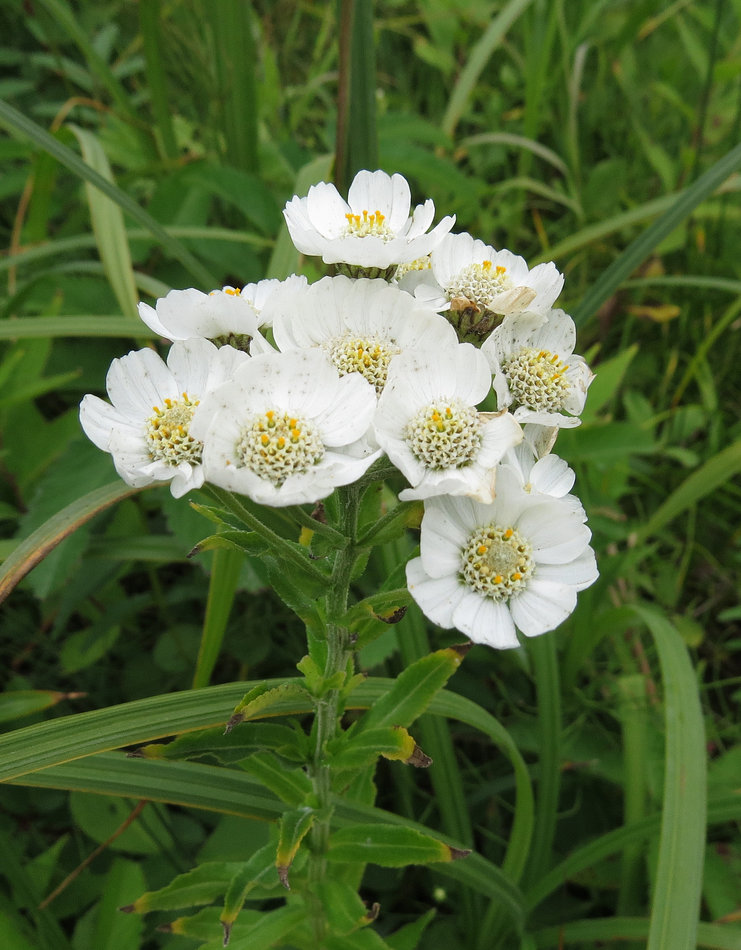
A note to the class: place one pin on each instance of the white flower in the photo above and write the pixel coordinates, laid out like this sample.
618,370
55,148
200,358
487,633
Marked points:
227,316
360,324
428,424
535,369
475,276
373,229
147,429
282,430
489,569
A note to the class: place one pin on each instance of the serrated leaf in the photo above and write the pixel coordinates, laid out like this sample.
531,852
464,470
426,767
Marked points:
390,846
359,749
343,908
202,885
16,703
294,826
414,689
261,698
260,871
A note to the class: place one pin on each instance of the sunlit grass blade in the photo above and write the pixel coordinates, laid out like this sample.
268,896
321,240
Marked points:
719,469
13,119
641,247
108,226
37,545
678,884
476,63
225,570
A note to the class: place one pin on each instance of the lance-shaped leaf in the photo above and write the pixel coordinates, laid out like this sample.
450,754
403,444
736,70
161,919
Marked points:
356,750
204,925
344,910
408,937
232,746
390,846
294,826
262,697
270,930
414,689
17,703
202,885
233,540
360,940
258,872
292,786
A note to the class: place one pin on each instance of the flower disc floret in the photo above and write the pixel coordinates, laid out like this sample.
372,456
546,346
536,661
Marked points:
167,432
444,436
496,562
369,356
275,445
536,379
480,283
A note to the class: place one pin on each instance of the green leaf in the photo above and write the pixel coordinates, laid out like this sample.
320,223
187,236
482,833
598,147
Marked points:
344,910
292,786
271,930
202,885
390,846
24,328
35,548
414,689
678,886
613,929
108,226
258,871
263,697
294,826
222,588
16,703
356,750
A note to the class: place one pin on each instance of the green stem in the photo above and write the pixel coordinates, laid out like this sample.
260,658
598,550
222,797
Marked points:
328,711
279,545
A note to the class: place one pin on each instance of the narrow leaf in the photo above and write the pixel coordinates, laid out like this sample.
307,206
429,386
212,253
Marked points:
35,547
292,786
202,885
294,826
388,845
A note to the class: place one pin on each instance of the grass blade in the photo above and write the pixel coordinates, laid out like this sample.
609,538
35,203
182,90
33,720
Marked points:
480,55
638,251
38,544
357,139
678,886
13,119
27,328
222,588
108,226
152,40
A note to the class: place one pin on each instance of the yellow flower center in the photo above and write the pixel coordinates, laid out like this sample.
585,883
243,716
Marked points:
444,435
167,432
275,445
370,357
536,379
479,283
496,562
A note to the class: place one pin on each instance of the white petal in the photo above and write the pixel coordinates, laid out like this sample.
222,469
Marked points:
542,606
437,598
485,621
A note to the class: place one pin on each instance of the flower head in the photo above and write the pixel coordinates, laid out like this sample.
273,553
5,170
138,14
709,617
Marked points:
372,229
428,424
228,316
479,285
535,370
147,425
283,430
516,563
362,325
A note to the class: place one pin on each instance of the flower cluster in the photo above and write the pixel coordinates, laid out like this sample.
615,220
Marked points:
432,349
